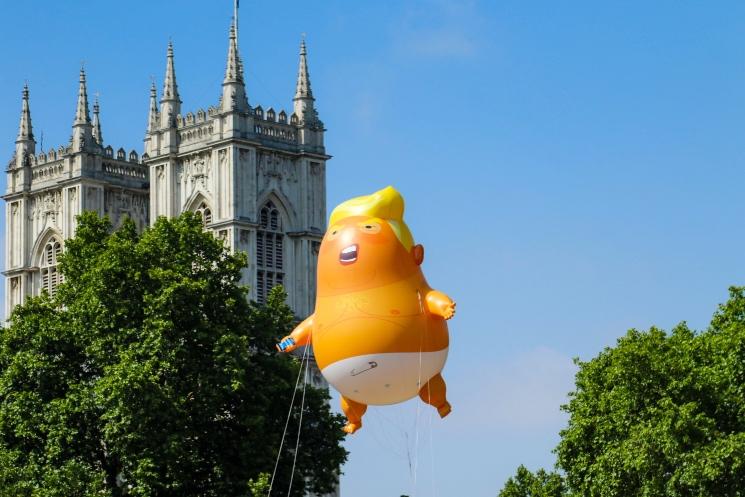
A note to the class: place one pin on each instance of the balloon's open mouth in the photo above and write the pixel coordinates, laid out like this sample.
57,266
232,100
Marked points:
348,255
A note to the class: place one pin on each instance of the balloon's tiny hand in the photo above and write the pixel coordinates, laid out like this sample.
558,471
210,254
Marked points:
286,345
440,304
448,309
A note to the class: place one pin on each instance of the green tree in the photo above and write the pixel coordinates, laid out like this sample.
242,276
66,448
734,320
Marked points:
527,484
150,374
661,415
261,487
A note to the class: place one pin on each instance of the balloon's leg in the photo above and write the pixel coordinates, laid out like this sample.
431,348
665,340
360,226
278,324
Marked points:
354,411
433,393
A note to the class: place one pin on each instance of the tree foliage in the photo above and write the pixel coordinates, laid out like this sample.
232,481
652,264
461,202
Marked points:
661,415
538,484
150,374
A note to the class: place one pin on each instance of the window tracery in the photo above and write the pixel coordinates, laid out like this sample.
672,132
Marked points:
50,275
205,213
269,251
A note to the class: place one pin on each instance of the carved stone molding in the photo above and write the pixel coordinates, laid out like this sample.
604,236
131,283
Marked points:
46,206
194,171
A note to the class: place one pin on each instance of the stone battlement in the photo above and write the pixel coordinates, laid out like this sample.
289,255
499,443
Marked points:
54,156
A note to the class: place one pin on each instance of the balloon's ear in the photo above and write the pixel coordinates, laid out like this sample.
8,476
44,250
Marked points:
418,252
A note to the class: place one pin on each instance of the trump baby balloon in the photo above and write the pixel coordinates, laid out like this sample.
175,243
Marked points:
379,331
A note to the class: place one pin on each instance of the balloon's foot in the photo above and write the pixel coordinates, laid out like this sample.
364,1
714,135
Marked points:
444,409
351,427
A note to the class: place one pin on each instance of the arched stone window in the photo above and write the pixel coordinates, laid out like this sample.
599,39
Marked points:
269,251
50,275
204,212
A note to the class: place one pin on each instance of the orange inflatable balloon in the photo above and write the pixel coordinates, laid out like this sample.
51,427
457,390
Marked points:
378,331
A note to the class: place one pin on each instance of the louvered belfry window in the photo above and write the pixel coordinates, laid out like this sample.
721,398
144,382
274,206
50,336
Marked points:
269,251
50,275
205,213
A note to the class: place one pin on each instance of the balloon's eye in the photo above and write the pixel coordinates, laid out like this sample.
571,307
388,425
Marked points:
370,227
334,232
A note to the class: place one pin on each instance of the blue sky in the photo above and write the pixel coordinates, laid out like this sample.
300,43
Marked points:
572,169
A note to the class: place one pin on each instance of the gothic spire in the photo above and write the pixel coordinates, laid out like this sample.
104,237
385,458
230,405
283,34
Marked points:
82,130
233,87
303,77
25,144
170,103
152,117
25,131
97,135
82,114
233,73
303,106
170,88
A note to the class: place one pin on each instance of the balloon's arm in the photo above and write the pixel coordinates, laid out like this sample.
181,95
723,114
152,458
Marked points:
300,336
440,304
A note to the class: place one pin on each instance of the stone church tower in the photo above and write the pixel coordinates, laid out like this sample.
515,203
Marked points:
256,176
47,190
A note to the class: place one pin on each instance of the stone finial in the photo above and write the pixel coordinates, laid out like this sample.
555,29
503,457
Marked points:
304,106
82,130
233,86
170,88
233,70
82,114
97,135
25,130
303,89
170,103
152,117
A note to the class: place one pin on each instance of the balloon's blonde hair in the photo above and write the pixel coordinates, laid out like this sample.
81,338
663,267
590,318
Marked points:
386,204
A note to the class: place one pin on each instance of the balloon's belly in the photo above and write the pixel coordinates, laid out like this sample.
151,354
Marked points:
386,378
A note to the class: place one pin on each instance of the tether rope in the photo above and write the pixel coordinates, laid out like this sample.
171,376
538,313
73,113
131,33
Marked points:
431,446
416,426
419,386
287,422
299,426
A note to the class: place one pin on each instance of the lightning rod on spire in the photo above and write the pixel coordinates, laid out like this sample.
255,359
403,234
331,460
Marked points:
235,18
